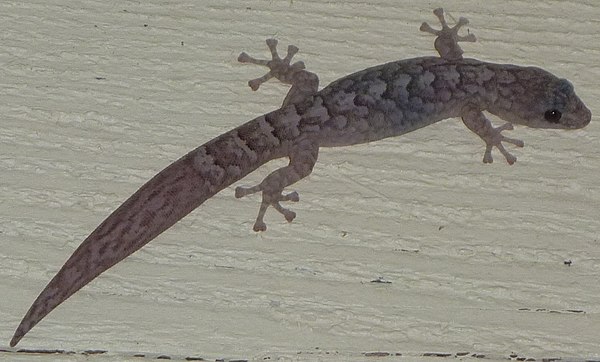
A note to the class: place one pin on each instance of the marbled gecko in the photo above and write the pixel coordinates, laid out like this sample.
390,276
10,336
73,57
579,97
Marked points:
383,101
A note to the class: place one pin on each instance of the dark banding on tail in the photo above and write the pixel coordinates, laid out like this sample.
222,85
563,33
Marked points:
157,205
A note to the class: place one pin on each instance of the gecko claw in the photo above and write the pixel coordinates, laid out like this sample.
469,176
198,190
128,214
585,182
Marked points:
244,191
447,39
259,226
292,196
279,68
289,215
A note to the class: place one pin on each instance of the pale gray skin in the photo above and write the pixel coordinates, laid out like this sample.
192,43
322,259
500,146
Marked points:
384,101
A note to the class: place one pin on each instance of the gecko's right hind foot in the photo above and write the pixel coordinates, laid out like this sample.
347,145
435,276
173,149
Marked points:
447,39
269,200
278,68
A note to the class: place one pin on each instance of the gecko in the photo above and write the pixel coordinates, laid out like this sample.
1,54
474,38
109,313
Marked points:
383,101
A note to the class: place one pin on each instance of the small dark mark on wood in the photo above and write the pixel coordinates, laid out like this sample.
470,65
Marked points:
554,311
409,250
163,357
478,355
436,354
139,355
441,227
381,280
145,25
94,351
100,78
194,359
461,354
568,262
376,354
44,351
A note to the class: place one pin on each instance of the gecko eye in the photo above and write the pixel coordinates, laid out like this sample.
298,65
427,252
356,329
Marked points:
552,116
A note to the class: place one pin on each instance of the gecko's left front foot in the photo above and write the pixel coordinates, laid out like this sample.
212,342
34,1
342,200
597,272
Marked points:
447,39
278,68
304,83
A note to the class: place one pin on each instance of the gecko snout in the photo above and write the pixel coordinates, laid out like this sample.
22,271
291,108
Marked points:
581,118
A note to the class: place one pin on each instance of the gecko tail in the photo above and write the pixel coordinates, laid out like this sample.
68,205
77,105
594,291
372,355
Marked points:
156,206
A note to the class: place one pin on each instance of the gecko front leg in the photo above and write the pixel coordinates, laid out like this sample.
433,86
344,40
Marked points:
447,46
477,122
303,153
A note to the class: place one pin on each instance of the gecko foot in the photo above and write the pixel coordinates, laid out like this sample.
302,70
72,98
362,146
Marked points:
447,39
269,200
495,139
279,68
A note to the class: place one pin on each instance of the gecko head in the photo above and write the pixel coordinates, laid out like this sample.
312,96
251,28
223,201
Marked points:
538,99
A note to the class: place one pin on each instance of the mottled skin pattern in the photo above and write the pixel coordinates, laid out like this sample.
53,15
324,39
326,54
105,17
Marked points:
384,101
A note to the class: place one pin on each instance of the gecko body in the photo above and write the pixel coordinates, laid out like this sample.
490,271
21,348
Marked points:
379,102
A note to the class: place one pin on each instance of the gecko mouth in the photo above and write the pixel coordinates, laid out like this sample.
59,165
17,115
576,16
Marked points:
583,120
577,119
586,116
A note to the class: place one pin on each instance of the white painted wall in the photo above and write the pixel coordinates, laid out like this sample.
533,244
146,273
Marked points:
97,96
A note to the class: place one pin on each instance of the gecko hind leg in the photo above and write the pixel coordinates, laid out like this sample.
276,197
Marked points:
304,83
301,164
447,39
